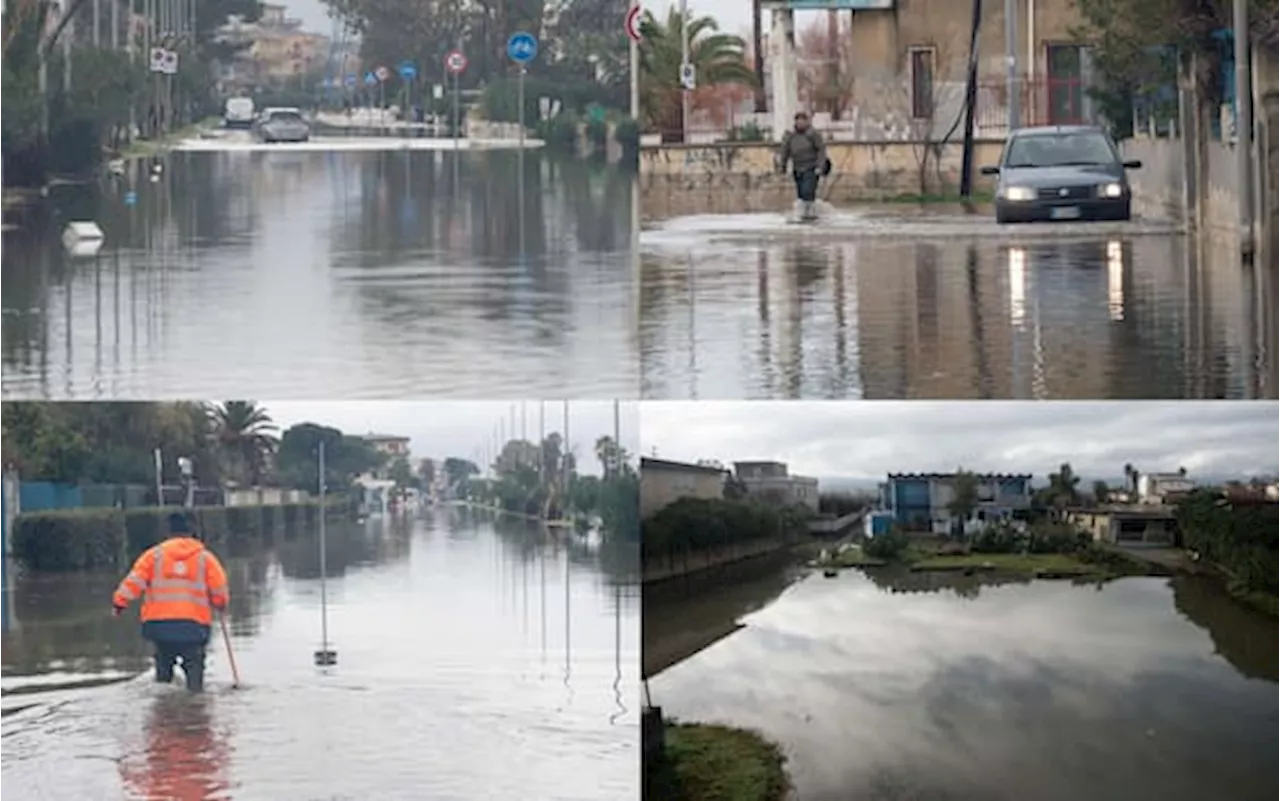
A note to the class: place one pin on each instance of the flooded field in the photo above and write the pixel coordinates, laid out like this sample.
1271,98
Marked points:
949,688
891,303
477,659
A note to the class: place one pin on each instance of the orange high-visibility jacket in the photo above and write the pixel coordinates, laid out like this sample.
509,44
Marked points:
179,579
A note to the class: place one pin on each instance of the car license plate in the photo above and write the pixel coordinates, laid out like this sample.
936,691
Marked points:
1065,213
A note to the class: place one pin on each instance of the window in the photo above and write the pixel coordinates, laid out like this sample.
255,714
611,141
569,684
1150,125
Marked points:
921,64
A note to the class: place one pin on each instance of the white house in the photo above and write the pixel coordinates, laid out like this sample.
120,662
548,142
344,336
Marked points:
1159,488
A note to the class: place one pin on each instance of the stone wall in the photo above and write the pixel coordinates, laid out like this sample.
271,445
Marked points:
734,177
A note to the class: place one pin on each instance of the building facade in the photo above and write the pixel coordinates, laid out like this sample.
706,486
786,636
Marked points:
663,482
1162,488
919,501
771,482
909,62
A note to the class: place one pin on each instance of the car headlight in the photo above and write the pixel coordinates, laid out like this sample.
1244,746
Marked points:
1110,190
1019,193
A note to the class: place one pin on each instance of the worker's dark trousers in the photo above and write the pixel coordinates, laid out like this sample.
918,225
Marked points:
176,640
806,185
192,656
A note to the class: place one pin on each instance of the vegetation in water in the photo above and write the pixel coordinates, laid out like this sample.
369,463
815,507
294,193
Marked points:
1237,536
704,762
697,524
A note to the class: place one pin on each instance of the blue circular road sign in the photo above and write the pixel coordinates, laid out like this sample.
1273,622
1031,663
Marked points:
522,47
351,80
407,70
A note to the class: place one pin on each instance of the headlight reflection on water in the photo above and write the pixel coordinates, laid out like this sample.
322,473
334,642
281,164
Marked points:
1115,280
1017,285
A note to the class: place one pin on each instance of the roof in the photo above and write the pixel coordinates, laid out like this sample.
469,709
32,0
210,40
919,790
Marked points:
987,476
372,437
663,464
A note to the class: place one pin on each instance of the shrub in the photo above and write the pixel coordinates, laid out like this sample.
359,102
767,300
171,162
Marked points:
597,132
887,546
88,538
627,134
560,132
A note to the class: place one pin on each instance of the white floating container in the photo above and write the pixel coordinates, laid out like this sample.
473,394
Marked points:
83,239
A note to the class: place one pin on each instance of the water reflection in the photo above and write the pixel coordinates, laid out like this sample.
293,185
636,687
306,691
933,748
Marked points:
1026,690
325,274
448,665
1151,316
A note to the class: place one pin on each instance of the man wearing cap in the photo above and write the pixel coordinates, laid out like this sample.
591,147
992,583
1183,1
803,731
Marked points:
180,583
807,153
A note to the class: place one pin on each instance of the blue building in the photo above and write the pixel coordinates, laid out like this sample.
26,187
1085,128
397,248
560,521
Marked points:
918,501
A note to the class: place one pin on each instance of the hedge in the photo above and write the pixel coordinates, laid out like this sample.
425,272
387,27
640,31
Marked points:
88,538
696,524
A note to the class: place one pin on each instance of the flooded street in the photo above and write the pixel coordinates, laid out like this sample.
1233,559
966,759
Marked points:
948,688
886,304
331,275
476,659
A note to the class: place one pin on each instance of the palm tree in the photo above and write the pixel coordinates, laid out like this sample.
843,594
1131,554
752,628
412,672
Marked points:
1062,490
245,434
717,58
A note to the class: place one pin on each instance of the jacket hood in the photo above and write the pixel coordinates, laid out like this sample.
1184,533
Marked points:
183,547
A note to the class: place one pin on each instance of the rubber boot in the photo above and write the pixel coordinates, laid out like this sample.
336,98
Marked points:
193,669
164,667
807,212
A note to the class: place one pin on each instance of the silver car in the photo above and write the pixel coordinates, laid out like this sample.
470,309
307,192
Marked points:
282,125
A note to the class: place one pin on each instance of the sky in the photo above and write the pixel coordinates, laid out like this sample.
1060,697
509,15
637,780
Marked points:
438,429
864,440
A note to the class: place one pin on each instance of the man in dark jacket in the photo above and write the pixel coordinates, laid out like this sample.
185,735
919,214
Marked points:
804,149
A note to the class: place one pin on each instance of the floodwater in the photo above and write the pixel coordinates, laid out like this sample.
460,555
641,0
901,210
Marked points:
949,688
886,303
475,660
334,274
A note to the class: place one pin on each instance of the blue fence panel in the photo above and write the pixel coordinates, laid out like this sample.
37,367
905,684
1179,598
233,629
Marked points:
35,496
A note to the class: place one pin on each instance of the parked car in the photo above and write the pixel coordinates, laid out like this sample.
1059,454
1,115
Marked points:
238,112
282,125
1061,173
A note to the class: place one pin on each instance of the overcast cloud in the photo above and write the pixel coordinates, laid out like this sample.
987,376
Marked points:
438,429
864,440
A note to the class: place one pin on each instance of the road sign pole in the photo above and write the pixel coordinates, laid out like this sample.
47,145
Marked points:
520,101
457,107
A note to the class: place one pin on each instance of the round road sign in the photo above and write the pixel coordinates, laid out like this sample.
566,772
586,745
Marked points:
455,62
632,23
522,47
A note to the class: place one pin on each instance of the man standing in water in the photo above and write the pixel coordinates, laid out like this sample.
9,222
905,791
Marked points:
180,583
806,151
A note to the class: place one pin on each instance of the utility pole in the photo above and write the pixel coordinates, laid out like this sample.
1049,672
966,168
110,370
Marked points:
684,61
1244,125
1011,61
970,99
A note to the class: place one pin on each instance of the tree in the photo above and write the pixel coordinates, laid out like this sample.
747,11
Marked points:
346,457
1101,492
246,437
717,58
458,471
1061,492
826,74
964,497
400,472
613,457
427,473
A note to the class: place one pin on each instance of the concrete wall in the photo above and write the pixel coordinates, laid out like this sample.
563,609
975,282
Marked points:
660,487
738,177
264,496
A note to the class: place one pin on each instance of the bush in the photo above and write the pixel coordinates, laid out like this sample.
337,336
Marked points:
597,132
627,134
1240,537
89,538
887,546
560,132
695,524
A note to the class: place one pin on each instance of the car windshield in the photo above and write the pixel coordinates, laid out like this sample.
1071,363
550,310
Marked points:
1060,150
285,116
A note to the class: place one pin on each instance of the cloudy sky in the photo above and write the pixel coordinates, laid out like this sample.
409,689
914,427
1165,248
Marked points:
438,429
864,440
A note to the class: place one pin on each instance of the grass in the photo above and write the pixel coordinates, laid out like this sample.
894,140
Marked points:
143,148
705,762
853,557
1011,562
